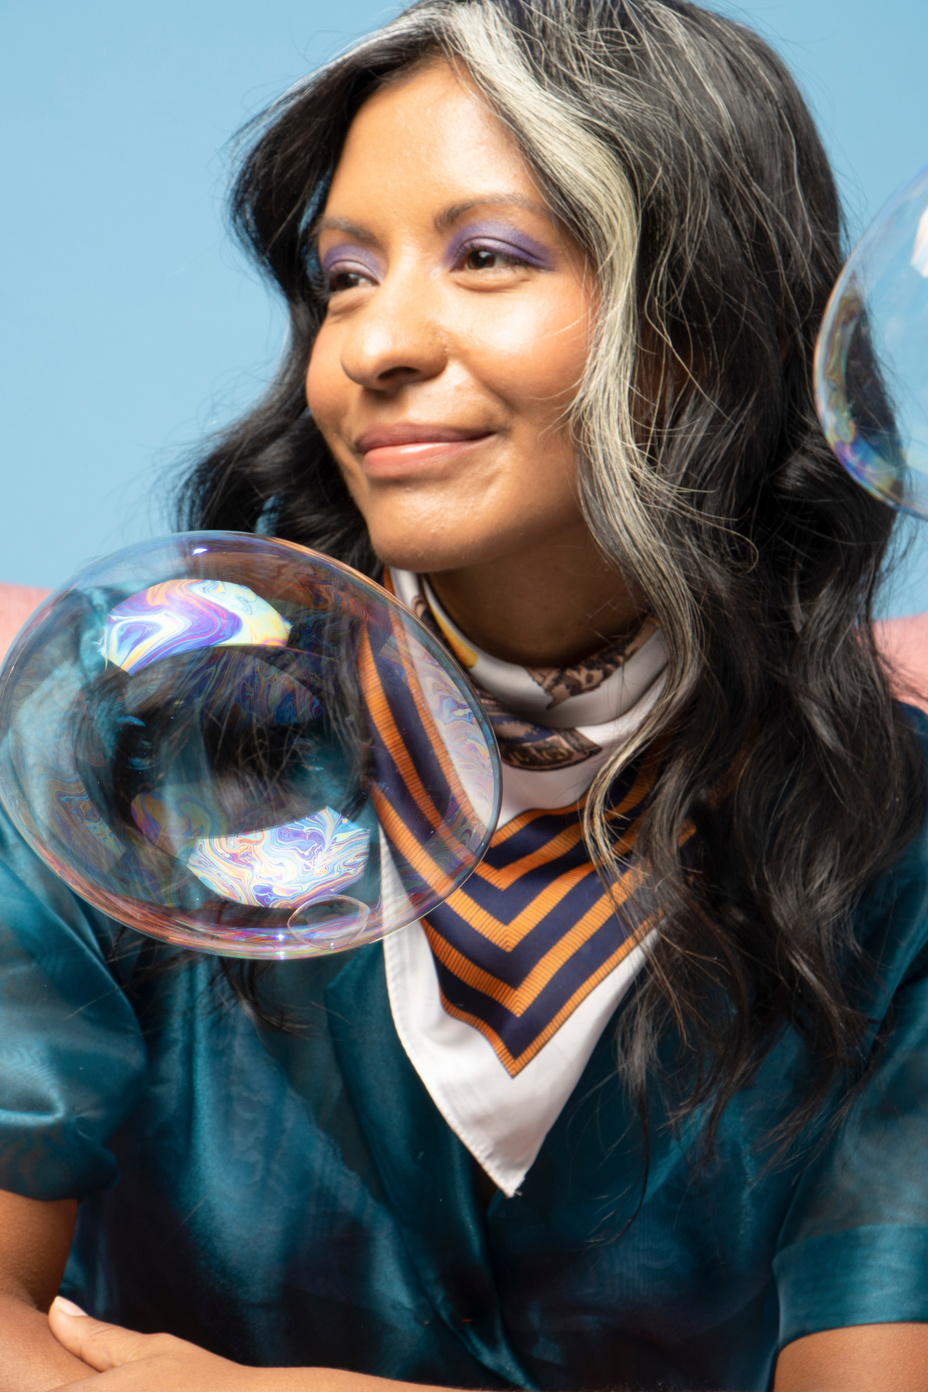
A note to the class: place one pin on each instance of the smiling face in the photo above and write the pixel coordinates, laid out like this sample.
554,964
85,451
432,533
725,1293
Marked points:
456,332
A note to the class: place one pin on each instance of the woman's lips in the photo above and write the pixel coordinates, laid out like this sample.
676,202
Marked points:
397,450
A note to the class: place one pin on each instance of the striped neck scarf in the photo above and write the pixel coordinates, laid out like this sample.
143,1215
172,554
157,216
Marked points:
533,930
541,715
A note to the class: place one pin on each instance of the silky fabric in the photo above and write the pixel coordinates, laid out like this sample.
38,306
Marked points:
297,1199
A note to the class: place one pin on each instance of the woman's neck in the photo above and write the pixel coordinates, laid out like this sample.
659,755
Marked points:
547,610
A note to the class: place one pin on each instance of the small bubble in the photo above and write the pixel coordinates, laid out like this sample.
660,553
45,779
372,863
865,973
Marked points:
871,366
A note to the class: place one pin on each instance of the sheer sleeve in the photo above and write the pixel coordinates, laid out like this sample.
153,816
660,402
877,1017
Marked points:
72,1055
854,1247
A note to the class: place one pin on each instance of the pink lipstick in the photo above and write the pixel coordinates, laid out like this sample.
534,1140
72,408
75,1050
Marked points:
394,451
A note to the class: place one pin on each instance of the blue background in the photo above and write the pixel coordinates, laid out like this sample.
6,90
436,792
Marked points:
130,325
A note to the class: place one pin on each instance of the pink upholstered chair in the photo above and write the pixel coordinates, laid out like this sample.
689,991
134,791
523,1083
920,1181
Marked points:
16,604
904,641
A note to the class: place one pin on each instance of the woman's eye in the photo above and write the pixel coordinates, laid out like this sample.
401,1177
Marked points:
335,275
346,280
483,258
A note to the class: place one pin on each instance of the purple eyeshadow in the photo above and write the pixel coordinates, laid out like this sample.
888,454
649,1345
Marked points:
352,255
502,237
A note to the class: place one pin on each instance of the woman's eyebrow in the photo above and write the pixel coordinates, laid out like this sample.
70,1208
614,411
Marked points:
443,220
449,216
336,224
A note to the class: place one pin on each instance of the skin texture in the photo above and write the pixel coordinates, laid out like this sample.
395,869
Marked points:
418,332
457,301
34,1242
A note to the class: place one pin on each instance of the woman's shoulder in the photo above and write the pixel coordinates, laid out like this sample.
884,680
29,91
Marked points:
39,909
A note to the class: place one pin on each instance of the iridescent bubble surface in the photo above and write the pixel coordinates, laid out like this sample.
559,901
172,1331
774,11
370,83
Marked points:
234,744
183,615
871,366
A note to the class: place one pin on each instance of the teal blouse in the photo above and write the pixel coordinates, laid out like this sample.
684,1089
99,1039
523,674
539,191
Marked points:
296,1199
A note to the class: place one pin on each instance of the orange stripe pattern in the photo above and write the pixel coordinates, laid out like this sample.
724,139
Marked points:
533,930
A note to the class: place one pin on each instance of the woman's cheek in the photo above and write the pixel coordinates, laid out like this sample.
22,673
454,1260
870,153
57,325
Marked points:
535,354
323,381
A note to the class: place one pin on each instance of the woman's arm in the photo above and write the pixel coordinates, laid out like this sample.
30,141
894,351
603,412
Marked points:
866,1358
869,1358
34,1242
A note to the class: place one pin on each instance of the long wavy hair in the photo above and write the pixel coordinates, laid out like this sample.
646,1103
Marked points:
675,149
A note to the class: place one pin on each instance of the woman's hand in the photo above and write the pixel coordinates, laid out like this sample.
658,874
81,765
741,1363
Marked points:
130,1362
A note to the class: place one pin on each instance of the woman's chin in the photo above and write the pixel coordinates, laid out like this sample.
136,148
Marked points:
424,556
421,562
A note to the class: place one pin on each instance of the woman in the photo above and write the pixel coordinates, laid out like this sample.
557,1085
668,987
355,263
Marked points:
555,274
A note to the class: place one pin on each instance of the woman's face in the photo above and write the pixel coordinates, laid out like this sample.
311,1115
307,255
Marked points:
457,328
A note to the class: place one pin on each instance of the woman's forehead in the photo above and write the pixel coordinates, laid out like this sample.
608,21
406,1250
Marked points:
435,125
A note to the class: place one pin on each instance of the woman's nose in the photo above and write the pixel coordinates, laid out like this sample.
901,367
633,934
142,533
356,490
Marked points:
396,336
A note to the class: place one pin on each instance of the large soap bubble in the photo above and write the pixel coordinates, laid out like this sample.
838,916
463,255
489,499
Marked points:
871,367
238,745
